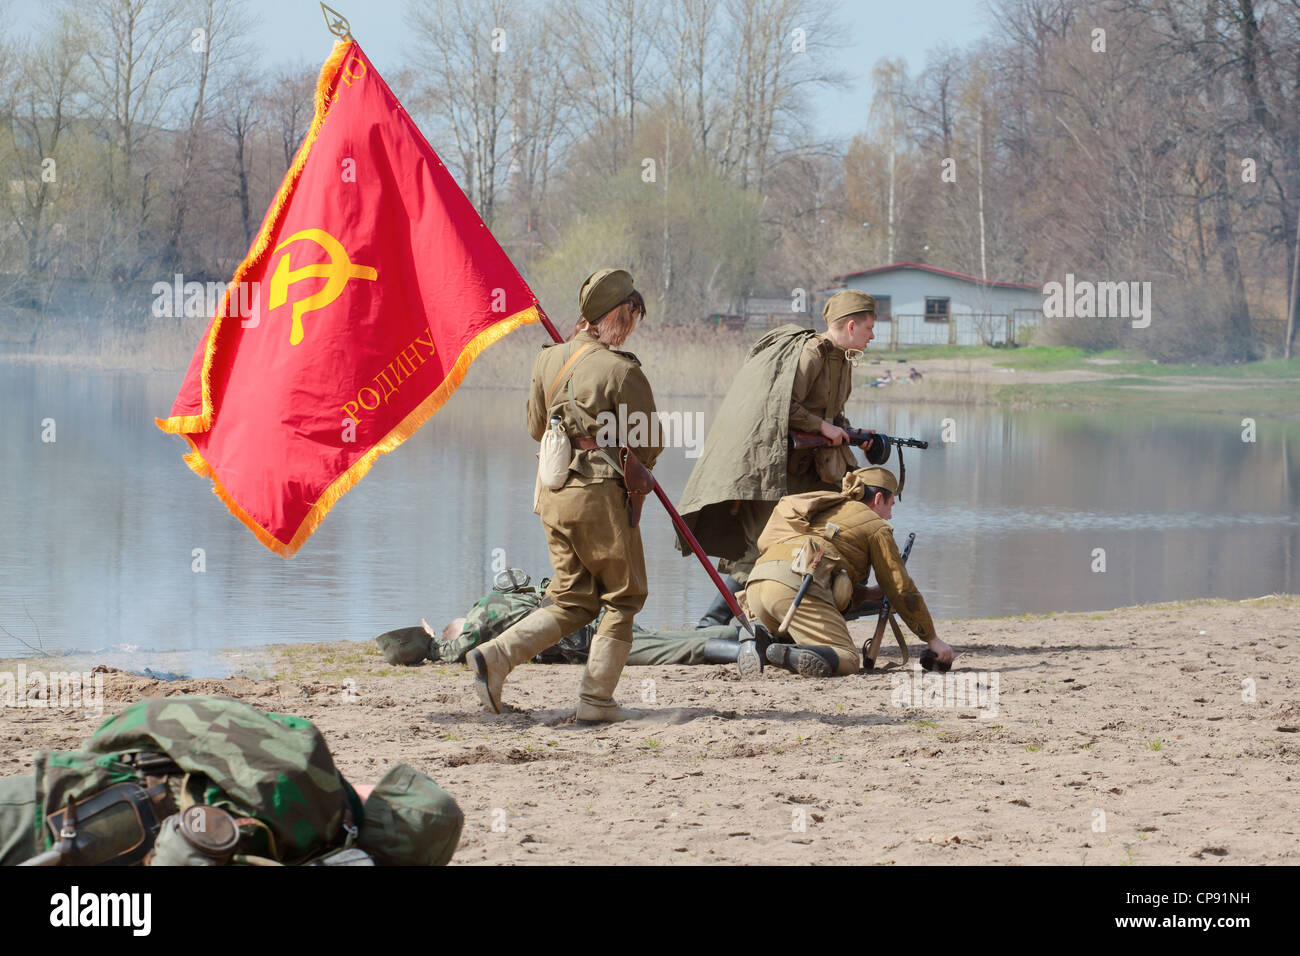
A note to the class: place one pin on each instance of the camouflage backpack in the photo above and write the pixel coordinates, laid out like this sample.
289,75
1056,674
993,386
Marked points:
500,609
272,772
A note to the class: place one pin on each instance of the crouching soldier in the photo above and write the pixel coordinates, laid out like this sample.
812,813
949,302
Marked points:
851,531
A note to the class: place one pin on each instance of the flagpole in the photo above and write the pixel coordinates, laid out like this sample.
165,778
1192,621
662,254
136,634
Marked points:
678,523
340,27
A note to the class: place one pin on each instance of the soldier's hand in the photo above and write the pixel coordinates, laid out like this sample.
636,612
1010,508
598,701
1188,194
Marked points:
836,435
942,650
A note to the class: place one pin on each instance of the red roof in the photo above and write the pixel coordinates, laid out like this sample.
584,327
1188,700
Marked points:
942,272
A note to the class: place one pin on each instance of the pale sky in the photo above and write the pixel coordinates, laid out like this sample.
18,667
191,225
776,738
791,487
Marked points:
293,31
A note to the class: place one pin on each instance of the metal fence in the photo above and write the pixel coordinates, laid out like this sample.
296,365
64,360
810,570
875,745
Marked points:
960,329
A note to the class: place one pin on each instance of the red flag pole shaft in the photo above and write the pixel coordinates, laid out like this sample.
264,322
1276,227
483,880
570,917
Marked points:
678,523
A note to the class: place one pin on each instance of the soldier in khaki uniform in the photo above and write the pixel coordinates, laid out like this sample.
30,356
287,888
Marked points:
852,530
595,548
817,369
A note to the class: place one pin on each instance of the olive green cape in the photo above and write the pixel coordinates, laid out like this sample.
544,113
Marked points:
747,449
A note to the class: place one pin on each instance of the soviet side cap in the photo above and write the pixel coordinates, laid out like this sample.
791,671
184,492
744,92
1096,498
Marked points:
602,291
855,482
847,302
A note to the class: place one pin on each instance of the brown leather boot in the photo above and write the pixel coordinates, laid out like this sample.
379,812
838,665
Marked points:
604,667
491,662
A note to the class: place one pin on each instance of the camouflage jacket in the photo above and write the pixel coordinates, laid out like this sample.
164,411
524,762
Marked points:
499,610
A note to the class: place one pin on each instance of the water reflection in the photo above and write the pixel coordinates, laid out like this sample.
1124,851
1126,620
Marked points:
99,529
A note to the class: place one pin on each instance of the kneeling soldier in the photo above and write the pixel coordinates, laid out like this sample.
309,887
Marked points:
852,531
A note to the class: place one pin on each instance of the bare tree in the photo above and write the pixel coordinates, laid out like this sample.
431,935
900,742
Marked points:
43,85
289,102
217,53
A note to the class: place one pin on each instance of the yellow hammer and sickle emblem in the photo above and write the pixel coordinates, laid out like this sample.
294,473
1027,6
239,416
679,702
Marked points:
336,272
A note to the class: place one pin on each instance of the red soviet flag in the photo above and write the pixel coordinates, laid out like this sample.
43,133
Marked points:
371,286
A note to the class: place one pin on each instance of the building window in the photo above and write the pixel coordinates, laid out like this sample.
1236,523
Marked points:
936,309
884,311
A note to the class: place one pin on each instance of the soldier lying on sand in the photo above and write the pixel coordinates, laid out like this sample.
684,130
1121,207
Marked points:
513,599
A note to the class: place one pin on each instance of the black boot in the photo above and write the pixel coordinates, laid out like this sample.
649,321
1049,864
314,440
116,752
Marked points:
720,650
719,612
805,661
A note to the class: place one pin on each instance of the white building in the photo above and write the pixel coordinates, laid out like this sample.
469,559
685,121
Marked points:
922,305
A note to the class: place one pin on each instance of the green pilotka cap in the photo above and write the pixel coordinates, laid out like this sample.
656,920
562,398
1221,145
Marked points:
847,302
602,291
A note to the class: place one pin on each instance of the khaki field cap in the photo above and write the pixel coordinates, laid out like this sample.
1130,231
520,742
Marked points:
847,302
855,482
602,291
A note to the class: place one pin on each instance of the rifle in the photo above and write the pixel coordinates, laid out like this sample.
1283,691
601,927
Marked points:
886,616
876,445
862,437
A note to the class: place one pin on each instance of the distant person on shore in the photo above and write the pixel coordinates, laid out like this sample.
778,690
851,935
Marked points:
591,519
795,379
883,380
852,528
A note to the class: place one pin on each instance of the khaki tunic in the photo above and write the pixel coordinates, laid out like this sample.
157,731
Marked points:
853,538
597,556
822,383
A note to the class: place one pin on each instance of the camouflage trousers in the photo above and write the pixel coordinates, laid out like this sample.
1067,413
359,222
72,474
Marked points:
17,820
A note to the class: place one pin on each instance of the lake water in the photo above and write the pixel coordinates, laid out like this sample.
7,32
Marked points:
97,529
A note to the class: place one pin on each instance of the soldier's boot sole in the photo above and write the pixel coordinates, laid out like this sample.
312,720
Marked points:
804,661
749,662
483,681
753,654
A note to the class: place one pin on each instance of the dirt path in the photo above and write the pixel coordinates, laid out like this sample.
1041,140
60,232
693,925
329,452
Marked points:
1167,734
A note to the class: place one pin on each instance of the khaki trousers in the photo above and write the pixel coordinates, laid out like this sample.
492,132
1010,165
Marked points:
815,622
597,558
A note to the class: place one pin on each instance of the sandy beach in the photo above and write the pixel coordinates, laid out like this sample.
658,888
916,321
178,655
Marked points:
1146,735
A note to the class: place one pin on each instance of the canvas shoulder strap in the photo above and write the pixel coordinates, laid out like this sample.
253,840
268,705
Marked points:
567,367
